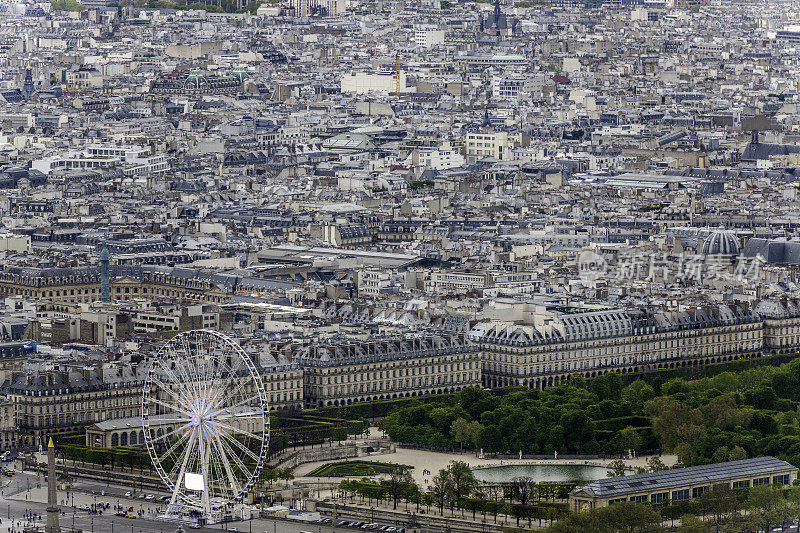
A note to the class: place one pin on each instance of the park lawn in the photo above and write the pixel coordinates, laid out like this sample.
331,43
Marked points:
356,468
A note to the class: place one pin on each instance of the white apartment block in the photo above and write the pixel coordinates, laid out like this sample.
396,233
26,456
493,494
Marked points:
428,36
365,82
498,145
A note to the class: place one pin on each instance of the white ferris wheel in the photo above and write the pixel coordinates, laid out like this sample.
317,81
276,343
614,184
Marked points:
205,419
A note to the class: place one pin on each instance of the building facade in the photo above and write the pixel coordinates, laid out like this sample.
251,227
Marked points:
82,284
594,343
341,373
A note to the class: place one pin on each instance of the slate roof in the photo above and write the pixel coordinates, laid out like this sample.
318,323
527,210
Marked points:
759,150
773,250
694,475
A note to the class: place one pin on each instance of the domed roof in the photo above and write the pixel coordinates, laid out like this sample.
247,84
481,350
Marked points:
721,242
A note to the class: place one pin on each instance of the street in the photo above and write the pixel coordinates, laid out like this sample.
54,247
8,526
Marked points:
21,503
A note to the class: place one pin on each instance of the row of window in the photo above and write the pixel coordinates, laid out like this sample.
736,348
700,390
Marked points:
663,498
701,343
399,384
402,372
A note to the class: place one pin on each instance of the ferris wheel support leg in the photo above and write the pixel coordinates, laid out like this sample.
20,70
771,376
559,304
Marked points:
204,450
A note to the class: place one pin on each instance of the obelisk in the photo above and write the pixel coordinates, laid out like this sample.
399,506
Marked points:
52,505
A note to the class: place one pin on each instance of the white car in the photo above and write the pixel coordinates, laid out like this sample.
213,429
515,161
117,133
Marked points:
128,494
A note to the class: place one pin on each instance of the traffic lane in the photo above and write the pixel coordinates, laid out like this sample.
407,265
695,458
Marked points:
104,523
114,490
19,483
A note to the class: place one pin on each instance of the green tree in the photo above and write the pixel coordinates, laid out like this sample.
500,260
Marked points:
690,437
441,489
654,464
625,517
463,480
460,429
286,474
398,484
737,454
764,505
637,393
629,439
722,504
616,468
66,5
723,413
692,524
632,518
670,417
490,439
522,489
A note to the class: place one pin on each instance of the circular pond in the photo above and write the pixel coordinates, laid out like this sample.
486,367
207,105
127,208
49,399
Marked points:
541,473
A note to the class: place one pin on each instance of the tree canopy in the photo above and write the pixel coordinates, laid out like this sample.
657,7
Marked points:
724,417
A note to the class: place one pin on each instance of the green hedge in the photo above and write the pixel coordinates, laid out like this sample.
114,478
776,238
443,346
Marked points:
619,423
356,468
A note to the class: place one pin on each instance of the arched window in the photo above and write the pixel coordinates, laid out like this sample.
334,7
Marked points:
133,438
114,439
123,439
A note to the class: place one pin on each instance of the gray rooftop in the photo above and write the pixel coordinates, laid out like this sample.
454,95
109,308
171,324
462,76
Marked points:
693,475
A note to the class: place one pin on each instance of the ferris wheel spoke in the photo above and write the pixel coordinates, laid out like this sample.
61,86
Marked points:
231,453
195,357
240,431
231,394
173,408
215,469
209,371
247,451
204,459
172,449
232,373
182,369
164,387
215,346
244,401
217,382
174,455
174,431
234,484
175,382
178,382
160,419
187,353
184,461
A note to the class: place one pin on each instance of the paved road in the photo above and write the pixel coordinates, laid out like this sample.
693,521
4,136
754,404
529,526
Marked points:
14,506
20,497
